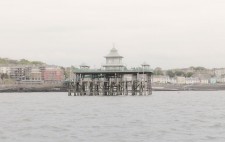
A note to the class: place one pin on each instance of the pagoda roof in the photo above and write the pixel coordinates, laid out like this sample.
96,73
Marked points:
113,53
145,64
84,65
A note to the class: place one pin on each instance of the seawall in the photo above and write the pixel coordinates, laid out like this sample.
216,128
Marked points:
184,87
32,88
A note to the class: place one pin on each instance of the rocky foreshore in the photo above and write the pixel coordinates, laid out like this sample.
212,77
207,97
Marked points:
184,87
155,87
32,88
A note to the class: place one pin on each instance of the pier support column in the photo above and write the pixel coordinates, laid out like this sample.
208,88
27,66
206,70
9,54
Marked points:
101,89
82,89
118,91
94,88
126,88
88,88
141,88
132,84
69,92
75,89
149,84
110,88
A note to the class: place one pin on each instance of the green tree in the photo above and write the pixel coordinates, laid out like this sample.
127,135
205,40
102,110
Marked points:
179,73
189,74
199,68
158,71
6,61
24,62
170,73
37,63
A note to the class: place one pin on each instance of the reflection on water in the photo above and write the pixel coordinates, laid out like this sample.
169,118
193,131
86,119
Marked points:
162,117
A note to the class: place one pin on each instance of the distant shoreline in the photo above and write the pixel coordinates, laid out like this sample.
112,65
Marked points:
184,87
156,87
31,88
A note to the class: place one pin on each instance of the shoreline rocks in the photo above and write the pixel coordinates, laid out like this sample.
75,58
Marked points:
195,87
32,88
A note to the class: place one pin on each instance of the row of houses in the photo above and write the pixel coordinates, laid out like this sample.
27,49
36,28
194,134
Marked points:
34,74
186,80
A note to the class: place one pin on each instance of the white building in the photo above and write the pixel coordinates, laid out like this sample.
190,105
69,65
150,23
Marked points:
181,80
221,80
5,70
172,81
219,72
160,79
204,80
163,79
35,74
192,80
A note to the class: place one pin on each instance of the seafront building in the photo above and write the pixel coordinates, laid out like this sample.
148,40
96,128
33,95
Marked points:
221,80
113,79
161,79
5,70
192,80
53,75
181,80
219,72
45,74
17,73
34,74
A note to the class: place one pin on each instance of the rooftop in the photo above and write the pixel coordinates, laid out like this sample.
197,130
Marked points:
113,53
99,71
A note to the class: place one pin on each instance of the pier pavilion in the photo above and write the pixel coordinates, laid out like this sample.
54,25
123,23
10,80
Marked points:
114,79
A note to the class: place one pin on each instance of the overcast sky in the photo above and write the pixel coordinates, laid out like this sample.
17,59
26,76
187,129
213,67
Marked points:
164,33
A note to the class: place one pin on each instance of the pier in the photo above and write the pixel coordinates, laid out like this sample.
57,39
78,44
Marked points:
114,79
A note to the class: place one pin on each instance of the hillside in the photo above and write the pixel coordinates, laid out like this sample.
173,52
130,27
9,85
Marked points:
6,61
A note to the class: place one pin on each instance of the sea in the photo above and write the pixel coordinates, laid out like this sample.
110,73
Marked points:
162,117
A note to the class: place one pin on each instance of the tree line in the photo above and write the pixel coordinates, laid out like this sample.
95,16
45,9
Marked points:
6,61
176,72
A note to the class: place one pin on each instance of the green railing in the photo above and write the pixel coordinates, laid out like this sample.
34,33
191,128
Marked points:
105,71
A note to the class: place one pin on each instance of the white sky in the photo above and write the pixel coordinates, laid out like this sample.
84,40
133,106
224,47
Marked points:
164,33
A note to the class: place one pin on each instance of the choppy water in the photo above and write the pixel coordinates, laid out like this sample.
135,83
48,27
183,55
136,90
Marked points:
162,117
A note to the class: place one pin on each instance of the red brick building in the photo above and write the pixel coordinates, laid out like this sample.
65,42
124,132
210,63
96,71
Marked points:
53,75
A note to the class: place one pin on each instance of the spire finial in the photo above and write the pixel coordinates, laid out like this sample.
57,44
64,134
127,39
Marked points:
114,45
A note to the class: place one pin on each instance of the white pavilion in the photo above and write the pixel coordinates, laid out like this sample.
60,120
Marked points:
113,61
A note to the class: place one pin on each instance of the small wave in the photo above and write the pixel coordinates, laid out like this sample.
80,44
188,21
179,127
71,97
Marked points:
26,120
217,125
211,137
3,138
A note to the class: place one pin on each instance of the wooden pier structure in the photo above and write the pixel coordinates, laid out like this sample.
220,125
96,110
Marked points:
111,83
113,80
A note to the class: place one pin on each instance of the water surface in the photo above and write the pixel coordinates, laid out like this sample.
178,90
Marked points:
162,117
